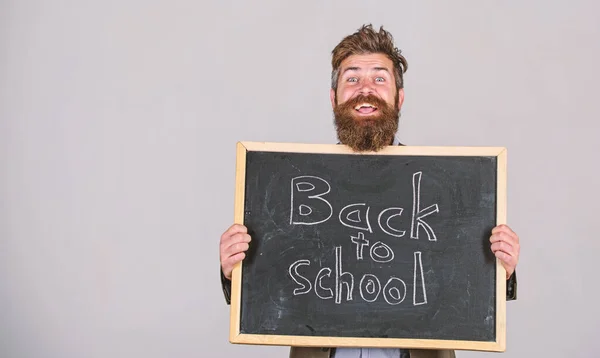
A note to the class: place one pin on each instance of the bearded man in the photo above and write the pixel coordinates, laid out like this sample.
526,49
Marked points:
367,92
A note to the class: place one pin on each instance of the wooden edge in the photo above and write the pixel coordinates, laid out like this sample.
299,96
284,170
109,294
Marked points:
501,207
236,276
390,150
304,341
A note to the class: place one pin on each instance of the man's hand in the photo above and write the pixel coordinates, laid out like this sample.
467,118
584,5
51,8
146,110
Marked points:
505,246
234,243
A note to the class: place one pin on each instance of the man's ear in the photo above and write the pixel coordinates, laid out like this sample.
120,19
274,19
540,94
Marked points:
400,97
332,97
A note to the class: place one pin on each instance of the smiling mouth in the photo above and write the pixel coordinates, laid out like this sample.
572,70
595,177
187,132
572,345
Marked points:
365,108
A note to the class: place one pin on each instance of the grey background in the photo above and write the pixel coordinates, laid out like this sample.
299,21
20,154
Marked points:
118,124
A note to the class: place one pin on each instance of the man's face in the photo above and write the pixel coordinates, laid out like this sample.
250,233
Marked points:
367,104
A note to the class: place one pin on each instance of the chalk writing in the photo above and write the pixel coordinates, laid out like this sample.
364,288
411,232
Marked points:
421,280
387,215
394,291
354,217
417,214
360,242
309,206
387,256
304,213
305,285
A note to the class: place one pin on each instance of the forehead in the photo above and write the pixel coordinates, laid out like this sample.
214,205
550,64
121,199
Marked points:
367,61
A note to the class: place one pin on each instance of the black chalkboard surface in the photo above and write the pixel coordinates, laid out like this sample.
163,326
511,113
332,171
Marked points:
387,249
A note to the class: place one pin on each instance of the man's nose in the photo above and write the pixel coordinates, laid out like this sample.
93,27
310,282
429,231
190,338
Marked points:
366,88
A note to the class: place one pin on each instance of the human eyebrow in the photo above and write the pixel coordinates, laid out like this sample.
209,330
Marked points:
351,69
381,69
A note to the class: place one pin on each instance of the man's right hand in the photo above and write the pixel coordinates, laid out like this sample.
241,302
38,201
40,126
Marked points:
234,243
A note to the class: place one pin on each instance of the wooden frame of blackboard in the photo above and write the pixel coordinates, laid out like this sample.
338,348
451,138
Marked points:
498,345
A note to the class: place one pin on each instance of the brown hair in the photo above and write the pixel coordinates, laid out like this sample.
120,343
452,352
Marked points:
366,41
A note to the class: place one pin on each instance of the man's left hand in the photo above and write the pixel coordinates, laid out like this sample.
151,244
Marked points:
505,246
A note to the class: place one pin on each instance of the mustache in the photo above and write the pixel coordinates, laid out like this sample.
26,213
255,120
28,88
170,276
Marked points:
360,99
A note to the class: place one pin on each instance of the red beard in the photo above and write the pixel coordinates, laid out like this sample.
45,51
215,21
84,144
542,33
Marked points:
365,134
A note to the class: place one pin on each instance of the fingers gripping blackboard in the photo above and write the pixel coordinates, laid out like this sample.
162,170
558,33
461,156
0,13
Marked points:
386,249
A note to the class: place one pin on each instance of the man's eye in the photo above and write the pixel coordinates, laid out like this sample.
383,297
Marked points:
379,79
352,79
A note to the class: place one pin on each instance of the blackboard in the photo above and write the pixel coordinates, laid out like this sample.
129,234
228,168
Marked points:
387,249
